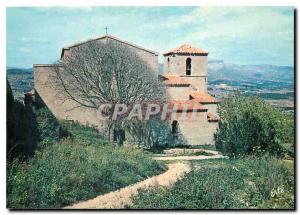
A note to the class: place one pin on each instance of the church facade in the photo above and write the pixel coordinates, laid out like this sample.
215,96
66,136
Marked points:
185,77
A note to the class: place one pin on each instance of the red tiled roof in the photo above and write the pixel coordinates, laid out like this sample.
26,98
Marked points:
187,105
202,97
172,79
212,118
186,49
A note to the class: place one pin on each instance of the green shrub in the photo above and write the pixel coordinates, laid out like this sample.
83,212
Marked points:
234,184
73,170
17,126
47,127
87,134
249,125
286,133
28,127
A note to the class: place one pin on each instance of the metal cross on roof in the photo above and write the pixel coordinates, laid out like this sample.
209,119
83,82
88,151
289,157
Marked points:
106,28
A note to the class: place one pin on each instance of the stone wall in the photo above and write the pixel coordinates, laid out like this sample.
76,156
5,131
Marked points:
57,104
197,83
199,131
67,109
177,64
178,93
196,132
212,108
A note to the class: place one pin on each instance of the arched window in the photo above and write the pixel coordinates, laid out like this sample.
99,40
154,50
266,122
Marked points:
188,66
175,128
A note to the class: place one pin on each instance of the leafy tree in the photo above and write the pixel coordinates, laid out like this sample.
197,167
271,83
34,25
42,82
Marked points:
249,125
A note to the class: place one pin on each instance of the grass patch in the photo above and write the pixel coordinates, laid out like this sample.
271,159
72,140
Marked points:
74,169
265,183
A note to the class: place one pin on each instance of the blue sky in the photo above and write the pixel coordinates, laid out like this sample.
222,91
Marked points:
240,35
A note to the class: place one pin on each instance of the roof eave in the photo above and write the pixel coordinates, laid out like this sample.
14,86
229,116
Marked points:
177,85
111,37
185,53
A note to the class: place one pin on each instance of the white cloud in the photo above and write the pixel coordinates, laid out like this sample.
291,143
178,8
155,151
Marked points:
235,22
241,32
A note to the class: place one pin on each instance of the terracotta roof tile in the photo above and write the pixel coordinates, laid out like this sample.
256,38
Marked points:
188,105
202,97
212,117
186,49
172,79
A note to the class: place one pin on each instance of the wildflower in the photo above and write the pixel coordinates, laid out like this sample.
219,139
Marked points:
234,168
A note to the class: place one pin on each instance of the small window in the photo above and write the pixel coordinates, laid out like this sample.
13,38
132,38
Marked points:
188,66
175,127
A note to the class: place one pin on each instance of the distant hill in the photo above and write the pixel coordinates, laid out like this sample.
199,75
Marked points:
249,73
20,79
219,70
16,71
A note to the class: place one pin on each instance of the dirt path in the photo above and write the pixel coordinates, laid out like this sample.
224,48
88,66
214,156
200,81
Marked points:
186,158
120,198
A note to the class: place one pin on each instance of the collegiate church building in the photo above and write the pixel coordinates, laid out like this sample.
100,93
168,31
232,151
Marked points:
185,76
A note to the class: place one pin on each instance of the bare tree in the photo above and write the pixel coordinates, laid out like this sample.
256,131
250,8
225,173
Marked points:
107,72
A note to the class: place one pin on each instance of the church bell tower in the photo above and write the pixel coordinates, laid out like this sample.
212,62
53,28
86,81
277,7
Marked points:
190,63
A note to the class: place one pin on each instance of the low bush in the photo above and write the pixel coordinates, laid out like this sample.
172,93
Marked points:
47,127
73,170
261,183
250,125
87,134
66,173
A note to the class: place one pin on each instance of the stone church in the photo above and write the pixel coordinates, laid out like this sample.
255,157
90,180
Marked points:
185,77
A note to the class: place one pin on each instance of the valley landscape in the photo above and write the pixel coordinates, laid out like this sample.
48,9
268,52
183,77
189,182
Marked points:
275,84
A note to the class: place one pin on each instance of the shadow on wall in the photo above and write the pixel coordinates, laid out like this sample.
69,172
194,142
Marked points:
177,137
21,128
30,126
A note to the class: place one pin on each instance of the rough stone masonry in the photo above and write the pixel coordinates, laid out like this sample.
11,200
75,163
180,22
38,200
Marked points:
185,76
